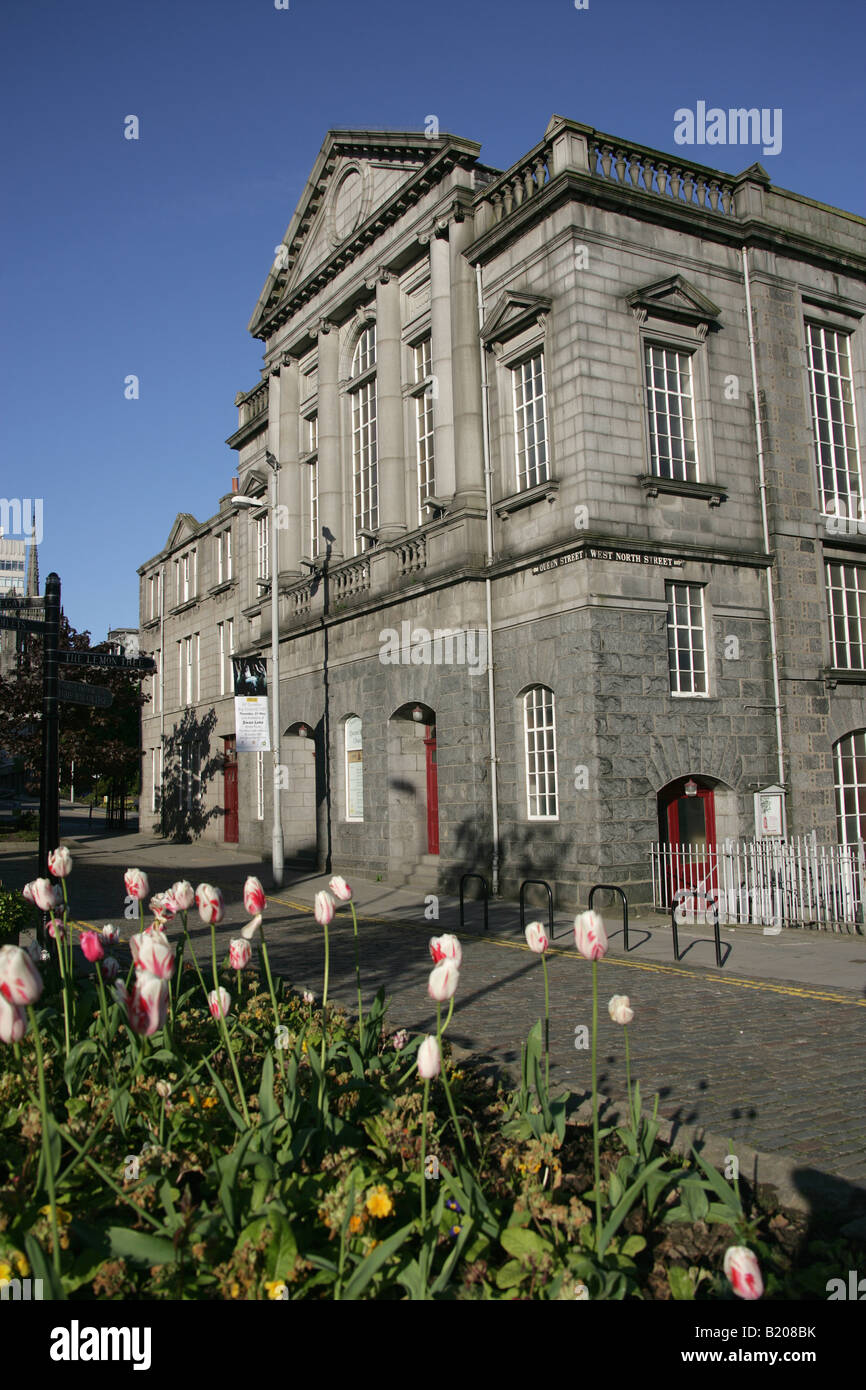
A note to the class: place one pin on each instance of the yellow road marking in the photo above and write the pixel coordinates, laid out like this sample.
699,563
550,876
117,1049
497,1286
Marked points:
654,967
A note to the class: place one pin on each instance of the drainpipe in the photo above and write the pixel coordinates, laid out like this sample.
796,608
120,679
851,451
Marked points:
488,483
161,688
762,487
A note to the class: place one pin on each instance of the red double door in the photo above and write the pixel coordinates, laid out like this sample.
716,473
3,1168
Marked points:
432,791
691,837
230,790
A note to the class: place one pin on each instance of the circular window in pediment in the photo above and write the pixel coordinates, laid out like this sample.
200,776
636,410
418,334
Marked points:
348,207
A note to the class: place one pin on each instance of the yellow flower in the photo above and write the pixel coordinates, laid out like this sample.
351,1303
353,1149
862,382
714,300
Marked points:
22,1266
63,1217
354,1224
235,1290
209,1102
275,1287
5,1270
378,1202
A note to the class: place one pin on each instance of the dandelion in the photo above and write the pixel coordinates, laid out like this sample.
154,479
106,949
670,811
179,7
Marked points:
379,1202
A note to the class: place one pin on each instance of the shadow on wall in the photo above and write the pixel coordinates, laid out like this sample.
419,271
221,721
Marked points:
188,769
523,853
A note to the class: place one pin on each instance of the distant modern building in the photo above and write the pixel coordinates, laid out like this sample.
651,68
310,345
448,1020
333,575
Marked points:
572,539
125,640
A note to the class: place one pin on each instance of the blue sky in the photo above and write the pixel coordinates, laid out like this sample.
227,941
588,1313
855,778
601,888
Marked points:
146,257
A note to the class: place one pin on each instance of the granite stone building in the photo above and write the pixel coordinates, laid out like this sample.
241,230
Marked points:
570,520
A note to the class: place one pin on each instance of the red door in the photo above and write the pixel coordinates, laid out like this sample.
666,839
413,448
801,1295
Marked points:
230,789
432,792
691,825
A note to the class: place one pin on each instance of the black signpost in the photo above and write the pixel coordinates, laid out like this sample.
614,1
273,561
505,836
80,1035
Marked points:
49,810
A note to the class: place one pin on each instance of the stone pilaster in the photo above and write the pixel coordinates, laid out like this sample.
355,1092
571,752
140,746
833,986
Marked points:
391,447
443,396
465,371
331,506
290,473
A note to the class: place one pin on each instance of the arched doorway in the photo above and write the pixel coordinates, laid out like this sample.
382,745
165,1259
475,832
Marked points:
298,793
413,791
687,831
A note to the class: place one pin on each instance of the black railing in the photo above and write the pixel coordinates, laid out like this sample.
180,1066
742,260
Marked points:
483,881
613,888
542,883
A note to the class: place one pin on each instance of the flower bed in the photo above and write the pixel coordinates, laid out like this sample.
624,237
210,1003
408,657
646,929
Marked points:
228,1138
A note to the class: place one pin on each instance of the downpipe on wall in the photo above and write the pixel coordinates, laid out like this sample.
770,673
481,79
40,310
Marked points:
488,496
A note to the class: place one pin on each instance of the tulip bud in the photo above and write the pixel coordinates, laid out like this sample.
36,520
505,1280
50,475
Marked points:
340,889
13,1022
429,1061
146,1004
20,981
254,896
56,929
209,900
446,948
183,894
109,968
110,935
163,1089
240,952
249,931
309,997
443,980
324,909
27,893
136,883
742,1269
152,953
536,938
60,862
163,905
45,894
590,937
222,1006
91,946
400,1039
619,1009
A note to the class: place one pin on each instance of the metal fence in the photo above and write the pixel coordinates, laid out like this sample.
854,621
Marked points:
795,882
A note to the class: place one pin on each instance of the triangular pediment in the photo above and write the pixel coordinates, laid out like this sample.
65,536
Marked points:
184,528
512,313
674,298
356,174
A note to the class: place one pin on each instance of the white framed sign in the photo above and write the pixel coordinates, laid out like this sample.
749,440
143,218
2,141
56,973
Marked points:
770,813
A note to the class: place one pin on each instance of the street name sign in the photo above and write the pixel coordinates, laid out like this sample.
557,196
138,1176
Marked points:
77,693
22,624
107,659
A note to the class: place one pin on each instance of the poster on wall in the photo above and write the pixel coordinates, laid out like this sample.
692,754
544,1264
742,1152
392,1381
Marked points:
252,729
769,813
354,770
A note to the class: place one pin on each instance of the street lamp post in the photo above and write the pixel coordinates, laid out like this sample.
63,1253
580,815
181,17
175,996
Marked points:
277,856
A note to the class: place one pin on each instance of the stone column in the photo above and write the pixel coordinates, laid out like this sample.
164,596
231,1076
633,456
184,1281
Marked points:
391,448
465,371
330,472
289,520
440,333
277,561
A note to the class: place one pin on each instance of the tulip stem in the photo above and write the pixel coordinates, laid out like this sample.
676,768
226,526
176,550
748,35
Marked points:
424,1152
273,996
61,960
324,1015
196,964
358,976
46,1140
596,1168
546,1028
439,1032
631,1113
222,1022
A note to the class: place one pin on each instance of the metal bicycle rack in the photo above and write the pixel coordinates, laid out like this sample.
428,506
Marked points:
716,931
483,881
541,883
613,888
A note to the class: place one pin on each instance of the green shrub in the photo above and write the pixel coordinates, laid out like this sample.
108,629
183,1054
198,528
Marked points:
16,915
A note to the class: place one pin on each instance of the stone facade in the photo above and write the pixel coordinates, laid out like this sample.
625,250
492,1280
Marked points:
574,334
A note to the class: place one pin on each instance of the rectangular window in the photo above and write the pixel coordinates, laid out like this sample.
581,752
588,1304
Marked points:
221,642
539,727
670,400
263,568
154,596
153,781
846,602
423,371
224,556
311,425
180,673
530,422
177,582
156,692
197,661
187,652
365,463
834,421
260,786
687,647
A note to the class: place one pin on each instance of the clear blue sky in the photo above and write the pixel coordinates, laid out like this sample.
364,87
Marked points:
147,256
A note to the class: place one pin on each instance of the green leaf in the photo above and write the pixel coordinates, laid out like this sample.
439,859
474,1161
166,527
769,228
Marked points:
43,1269
728,1195
634,1245
374,1261
523,1244
625,1205
510,1275
140,1247
681,1286
614,1190
267,1105
694,1197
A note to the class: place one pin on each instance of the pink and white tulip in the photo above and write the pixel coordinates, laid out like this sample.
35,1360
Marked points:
13,1022
45,894
20,981
240,953
56,929
443,981
183,894
590,937
91,946
146,1004
219,1006
324,909
254,897
446,948
209,901
340,889
153,953
249,931
60,862
742,1269
536,938
429,1061
620,1009
136,883
110,935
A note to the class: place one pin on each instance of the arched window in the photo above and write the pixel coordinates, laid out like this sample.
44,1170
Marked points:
539,731
849,763
365,471
354,769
